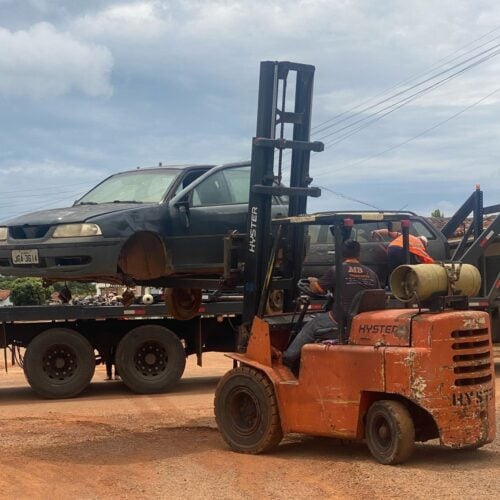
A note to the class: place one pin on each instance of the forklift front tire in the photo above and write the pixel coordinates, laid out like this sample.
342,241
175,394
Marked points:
390,432
246,411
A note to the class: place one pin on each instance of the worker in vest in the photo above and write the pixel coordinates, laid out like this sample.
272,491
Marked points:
395,251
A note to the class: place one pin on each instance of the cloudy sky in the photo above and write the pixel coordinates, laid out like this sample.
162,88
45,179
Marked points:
407,94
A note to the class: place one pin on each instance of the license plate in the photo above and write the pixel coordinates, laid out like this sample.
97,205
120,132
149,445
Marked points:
21,257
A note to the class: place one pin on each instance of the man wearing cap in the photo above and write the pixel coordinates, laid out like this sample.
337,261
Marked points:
323,326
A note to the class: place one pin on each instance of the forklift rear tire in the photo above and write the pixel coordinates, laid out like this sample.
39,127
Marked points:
390,432
183,303
59,363
246,411
150,359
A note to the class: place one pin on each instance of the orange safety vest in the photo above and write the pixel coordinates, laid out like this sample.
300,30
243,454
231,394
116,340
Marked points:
416,248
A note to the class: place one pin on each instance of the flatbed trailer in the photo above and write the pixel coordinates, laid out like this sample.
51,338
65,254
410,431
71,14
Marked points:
59,346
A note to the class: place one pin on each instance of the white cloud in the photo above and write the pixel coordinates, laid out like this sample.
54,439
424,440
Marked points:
126,21
186,75
43,62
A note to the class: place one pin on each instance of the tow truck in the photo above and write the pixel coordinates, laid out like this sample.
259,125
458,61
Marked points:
421,371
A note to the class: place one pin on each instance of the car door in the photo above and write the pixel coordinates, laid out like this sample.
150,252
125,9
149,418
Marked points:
214,206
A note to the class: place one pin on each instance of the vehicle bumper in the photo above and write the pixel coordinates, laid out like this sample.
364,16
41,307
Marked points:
81,258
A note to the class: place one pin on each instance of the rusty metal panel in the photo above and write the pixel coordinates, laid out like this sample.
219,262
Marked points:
327,397
259,344
383,328
453,379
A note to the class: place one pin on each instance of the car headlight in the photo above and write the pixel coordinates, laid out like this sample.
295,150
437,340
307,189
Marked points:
76,230
3,233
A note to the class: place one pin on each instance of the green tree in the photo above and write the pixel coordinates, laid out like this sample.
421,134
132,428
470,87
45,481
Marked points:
437,213
6,282
29,292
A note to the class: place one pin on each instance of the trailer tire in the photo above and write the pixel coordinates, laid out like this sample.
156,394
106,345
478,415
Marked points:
390,432
246,411
150,359
59,363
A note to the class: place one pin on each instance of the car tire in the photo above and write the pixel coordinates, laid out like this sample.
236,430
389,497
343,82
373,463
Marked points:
150,359
183,303
246,411
59,363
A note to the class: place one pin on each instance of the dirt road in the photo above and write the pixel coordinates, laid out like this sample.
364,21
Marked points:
109,443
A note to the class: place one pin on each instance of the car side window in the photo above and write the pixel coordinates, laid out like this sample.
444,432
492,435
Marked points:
238,182
212,191
421,230
362,233
188,179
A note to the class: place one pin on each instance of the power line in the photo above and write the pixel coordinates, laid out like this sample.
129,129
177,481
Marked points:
34,208
397,105
20,199
439,64
420,134
411,97
394,107
28,190
340,195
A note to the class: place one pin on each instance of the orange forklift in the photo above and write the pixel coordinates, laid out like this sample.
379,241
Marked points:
414,372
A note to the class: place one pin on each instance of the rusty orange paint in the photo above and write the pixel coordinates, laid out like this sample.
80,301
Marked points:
440,364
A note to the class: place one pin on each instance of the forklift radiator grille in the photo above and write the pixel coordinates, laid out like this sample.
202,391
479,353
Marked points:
472,357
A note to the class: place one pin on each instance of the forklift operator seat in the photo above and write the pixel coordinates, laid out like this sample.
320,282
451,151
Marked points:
364,301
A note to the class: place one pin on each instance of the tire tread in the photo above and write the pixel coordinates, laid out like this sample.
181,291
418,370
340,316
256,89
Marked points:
274,433
406,431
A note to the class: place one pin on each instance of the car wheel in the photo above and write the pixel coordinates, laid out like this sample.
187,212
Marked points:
183,303
275,302
247,412
390,432
59,363
150,359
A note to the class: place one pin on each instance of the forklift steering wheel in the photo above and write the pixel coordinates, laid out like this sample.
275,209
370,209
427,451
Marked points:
304,287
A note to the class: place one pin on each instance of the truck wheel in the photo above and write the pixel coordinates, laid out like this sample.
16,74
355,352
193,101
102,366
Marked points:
182,303
59,363
390,432
246,411
150,359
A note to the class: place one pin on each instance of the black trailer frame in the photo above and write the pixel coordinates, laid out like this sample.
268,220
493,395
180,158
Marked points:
113,335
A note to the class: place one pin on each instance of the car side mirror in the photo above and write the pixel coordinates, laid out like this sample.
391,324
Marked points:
183,207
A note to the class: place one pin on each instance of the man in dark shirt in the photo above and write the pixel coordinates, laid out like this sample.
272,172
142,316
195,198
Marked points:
355,277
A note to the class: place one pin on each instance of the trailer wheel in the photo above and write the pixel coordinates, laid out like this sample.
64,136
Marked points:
150,359
59,363
247,412
390,432
183,303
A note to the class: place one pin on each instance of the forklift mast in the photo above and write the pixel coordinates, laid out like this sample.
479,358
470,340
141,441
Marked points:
277,92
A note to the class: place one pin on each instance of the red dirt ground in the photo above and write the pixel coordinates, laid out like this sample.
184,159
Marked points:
109,443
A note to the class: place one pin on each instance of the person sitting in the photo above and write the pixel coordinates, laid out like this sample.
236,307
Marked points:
323,326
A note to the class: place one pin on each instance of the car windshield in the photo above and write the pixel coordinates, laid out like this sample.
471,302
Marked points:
146,186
